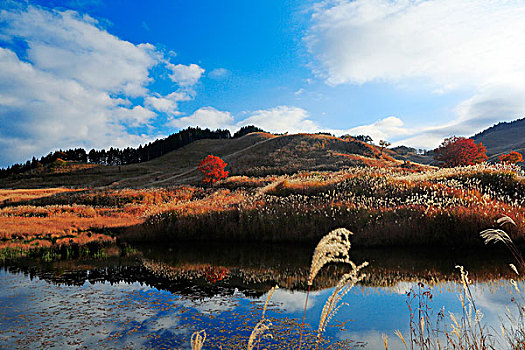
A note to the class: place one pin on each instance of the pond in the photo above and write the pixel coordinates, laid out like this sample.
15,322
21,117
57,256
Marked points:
157,296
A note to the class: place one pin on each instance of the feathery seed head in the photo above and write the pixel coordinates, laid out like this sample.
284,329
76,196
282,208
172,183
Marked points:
505,220
495,235
333,247
198,339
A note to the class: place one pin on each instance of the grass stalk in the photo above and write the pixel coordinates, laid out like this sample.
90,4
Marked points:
333,304
198,339
304,316
263,325
333,247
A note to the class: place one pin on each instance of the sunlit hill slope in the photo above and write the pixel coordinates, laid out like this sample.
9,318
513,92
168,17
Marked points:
254,154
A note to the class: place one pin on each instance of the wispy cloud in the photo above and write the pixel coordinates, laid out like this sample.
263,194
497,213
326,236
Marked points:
278,119
219,73
66,82
441,45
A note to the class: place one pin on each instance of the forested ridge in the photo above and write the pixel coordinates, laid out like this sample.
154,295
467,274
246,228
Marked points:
129,155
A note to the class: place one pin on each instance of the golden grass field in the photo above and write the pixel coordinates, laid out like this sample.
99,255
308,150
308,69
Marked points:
382,206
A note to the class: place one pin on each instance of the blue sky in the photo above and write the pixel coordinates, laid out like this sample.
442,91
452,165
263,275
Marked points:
98,73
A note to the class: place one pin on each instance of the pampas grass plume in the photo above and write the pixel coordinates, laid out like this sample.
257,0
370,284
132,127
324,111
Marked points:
198,339
333,247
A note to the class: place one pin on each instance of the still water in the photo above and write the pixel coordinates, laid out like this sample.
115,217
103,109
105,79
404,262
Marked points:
157,296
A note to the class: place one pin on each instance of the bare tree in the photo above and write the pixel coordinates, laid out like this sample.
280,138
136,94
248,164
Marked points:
383,144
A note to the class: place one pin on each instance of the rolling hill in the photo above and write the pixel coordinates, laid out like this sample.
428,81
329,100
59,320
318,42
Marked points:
498,139
257,154
502,138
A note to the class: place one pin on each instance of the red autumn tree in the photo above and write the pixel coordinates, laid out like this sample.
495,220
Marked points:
512,158
458,151
213,169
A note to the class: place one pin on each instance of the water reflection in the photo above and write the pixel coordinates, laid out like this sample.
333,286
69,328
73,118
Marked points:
157,296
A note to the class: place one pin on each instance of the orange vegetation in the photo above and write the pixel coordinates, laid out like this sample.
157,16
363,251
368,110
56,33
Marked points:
55,217
381,205
23,194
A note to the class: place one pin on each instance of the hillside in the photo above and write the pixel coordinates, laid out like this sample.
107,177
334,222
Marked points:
253,154
498,139
410,154
502,138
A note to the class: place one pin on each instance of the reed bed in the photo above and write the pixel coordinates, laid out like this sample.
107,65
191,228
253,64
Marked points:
35,219
385,207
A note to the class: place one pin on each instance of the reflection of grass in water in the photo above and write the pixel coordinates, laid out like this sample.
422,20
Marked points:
333,248
264,265
95,250
468,331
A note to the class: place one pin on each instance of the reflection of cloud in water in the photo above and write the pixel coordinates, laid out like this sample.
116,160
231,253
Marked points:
99,315
291,301
105,315
373,339
215,304
401,287
493,299
166,322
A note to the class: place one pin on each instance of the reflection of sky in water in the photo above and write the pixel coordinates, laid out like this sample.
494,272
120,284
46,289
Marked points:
35,313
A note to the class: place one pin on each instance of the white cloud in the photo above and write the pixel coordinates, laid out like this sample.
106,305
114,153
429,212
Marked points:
71,46
281,119
219,73
383,129
394,129
185,75
474,46
452,42
205,117
277,120
137,116
167,104
66,82
39,109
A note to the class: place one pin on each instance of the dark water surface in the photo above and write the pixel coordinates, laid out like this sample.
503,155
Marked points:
157,296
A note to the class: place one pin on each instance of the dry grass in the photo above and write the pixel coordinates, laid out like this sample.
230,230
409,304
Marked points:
263,325
34,219
334,302
386,207
256,154
12,196
198,339
332,248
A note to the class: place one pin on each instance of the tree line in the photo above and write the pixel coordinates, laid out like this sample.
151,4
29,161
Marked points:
129,155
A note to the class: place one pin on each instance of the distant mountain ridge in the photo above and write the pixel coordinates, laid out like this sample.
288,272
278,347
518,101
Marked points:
499,139
174,160
502,138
